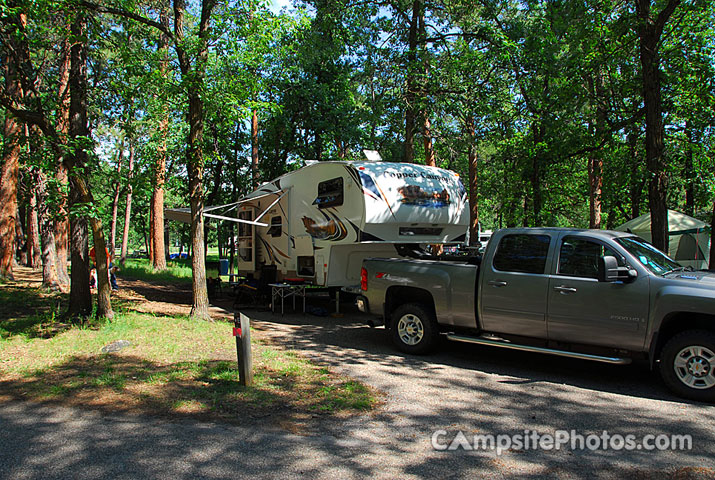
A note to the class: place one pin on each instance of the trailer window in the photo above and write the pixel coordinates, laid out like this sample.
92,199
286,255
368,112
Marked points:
245,229
276,227
330,193
306,266
522,253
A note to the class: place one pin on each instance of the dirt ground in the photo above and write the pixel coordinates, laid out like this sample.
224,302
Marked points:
146,297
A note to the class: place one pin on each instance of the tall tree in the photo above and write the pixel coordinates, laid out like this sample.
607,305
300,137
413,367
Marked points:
10,151
115,201
193,71
62,223
192,56
79,135
128,206
157,199
650,31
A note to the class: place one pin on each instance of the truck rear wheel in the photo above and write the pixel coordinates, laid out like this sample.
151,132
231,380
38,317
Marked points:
414,328
687,365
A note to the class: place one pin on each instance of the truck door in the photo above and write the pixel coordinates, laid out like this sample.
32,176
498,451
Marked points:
584,310
514,287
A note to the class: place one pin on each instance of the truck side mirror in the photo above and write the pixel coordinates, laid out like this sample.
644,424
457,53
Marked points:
609,271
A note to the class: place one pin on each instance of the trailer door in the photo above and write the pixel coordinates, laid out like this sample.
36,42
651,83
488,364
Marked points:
246,241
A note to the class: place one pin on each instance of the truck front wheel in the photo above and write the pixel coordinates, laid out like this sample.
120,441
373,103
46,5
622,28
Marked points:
414,328
687,365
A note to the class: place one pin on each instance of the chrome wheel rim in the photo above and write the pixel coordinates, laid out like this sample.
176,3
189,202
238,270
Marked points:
695,367
410,329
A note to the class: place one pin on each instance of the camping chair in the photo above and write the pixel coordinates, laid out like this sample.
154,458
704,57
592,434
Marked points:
256,293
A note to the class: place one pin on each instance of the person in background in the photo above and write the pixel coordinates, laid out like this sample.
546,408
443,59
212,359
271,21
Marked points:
110,268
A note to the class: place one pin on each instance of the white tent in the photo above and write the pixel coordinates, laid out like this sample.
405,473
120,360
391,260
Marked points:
689,237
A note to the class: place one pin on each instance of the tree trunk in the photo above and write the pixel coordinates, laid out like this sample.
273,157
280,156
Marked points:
34,252
62,227
535,178
62,222
47,234
427,140
20,240
9,172
146,237
430,158
150,245
157,205
636,184
595,161
128,206
411,85
158,231
194,153
473,186
158,240
200,305
167,243
649,32
595,183
115,202
689,173
80,303
104,305
254,149
234,190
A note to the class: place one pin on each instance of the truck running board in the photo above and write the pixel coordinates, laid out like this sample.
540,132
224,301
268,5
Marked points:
528,348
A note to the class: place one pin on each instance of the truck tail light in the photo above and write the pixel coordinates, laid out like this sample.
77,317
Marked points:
363,280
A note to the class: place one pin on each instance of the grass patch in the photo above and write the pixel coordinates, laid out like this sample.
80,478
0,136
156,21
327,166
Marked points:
173,366
178,271
29,312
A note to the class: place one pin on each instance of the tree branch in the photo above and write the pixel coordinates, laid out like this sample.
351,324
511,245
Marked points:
663,17
127,14
31,117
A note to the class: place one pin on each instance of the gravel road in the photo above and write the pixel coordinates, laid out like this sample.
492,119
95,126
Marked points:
472,389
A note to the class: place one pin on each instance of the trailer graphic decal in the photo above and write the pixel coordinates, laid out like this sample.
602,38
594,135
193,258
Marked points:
416,195
364,236
331,228
369,187
271,254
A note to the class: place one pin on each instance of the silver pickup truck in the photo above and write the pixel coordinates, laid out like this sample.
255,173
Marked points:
589,294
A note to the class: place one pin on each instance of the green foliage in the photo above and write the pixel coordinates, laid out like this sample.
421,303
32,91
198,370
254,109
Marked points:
534,89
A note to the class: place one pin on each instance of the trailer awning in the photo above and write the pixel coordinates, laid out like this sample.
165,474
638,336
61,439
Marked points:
178,214
183,214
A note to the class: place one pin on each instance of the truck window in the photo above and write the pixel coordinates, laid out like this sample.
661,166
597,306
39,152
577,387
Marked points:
578,257
330,193
522,253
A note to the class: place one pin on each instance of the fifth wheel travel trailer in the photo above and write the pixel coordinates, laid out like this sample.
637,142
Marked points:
319,222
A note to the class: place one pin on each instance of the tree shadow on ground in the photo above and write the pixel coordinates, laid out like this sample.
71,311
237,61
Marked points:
205,390
31,312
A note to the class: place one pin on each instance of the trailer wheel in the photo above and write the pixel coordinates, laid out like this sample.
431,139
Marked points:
414,328
687,365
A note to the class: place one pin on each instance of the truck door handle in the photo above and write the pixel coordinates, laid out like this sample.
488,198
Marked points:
564,290
497,283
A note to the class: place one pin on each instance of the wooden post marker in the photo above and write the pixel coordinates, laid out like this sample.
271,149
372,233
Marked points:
242,332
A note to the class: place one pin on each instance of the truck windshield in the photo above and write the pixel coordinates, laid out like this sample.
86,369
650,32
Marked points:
651,258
